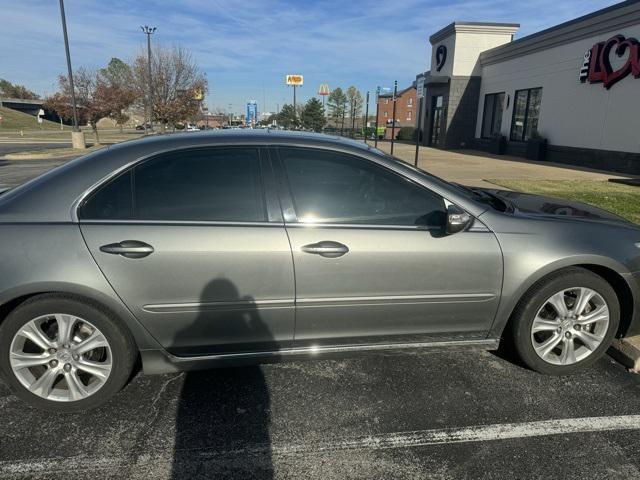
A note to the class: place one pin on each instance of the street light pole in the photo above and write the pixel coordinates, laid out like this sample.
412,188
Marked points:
366,119
375,141
393,120
69,69
148,31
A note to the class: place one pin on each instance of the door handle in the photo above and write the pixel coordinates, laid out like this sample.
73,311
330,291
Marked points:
128,249
326,248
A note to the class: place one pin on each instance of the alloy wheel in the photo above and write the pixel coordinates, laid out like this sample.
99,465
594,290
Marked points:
570,326
60,357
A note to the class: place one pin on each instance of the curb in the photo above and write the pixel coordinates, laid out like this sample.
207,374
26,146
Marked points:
627,352
17,157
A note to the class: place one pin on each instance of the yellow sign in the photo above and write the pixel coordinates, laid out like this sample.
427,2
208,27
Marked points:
198,95
323,89
296,80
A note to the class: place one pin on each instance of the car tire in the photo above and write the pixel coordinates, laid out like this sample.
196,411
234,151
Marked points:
111,359
537,324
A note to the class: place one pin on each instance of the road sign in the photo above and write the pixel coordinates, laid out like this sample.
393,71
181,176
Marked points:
420,86
295,80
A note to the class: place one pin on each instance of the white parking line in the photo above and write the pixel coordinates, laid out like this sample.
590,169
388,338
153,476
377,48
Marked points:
481,433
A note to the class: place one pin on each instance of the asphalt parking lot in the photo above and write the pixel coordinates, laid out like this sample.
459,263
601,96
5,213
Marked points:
430,415
433,415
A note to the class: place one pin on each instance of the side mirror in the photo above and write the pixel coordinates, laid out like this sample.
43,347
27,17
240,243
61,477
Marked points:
457,219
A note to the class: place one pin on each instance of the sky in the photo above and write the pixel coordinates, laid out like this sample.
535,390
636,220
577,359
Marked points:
247,47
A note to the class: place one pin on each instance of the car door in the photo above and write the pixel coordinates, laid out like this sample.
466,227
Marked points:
372,262
193,242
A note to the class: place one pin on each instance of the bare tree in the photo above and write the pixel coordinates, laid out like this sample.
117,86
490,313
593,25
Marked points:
92,100
176,82
354,98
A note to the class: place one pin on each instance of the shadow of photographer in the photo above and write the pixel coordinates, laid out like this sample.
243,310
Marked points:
223,415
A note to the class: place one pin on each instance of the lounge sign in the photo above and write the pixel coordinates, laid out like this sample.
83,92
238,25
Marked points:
597,68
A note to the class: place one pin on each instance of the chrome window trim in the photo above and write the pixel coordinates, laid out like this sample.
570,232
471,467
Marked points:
192,223
477,227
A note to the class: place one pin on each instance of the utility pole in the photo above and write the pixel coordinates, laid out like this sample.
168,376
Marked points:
353,118
77,137
366,119
148,31
375,135
418,130
393,120
419,96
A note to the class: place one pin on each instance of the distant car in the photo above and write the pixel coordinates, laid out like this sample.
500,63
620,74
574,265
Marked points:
192,128
143,127
191,251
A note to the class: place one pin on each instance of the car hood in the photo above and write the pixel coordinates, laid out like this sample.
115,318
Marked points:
529,204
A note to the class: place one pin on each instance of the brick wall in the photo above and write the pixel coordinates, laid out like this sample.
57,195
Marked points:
406,109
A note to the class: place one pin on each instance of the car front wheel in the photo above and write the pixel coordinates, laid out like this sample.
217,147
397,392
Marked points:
566,322
62,354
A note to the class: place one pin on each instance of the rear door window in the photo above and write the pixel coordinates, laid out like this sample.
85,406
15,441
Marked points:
216,184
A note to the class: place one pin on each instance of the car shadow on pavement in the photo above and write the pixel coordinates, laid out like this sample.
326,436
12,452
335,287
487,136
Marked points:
223,415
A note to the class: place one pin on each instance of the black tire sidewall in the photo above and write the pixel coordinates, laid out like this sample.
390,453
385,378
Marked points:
535,299
120,341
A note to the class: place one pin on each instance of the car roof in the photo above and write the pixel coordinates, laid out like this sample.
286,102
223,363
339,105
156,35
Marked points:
52,196
239,135
48,197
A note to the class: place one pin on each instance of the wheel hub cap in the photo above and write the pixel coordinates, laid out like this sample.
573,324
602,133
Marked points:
60,357
570,326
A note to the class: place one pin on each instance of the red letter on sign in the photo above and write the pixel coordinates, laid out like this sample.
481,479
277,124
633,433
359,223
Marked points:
595,67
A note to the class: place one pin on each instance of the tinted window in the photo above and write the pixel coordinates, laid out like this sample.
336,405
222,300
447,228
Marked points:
222,184
492,116
112,201
329,187
526,111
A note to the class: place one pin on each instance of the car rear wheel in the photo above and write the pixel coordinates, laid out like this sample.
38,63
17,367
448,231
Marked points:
62,354
566,322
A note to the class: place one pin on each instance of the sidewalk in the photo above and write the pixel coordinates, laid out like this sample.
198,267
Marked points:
474,168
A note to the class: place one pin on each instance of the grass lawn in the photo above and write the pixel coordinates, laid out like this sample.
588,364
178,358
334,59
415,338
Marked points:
15,120
621,199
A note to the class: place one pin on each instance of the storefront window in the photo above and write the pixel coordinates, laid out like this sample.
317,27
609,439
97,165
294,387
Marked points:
492,114
526,111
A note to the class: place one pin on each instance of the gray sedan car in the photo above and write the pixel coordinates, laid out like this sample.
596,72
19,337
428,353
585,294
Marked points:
216,249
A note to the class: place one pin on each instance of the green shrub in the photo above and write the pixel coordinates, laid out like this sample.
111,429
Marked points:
405,133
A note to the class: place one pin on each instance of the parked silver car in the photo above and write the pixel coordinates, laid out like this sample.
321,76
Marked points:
200,250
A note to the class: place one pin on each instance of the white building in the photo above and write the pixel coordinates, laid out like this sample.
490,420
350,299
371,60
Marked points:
576,84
